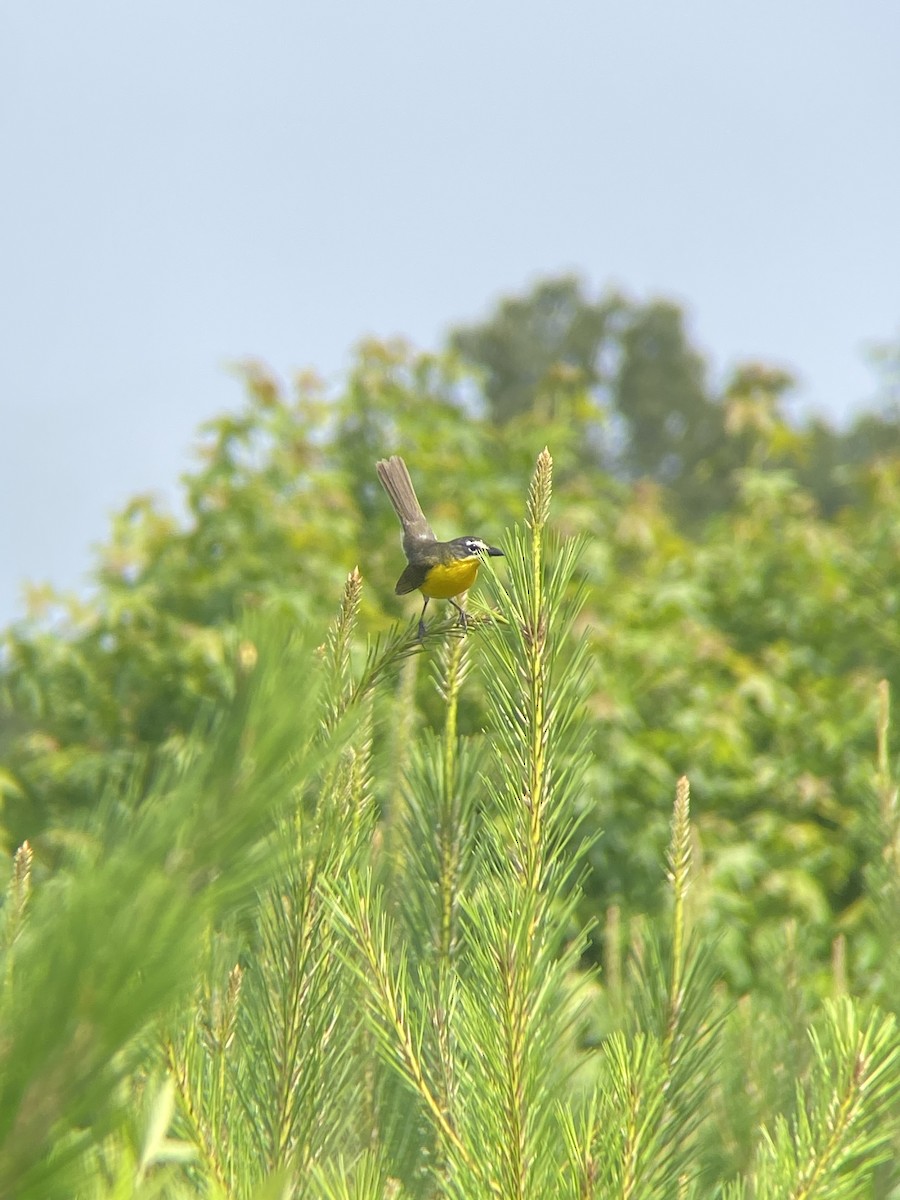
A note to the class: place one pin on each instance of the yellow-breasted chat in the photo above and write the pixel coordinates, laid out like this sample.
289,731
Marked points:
440,570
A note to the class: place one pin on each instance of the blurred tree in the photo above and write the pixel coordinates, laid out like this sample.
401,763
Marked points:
675,429
745,653
660,392
284,502
837,460
520,348
646,410
832,460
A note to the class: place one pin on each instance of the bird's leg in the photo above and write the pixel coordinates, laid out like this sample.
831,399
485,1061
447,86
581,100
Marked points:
422,621
463,616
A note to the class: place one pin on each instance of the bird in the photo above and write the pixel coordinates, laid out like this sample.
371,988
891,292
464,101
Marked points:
440,570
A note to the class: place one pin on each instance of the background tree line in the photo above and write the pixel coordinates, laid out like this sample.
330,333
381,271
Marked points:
740,572
733,601
657,415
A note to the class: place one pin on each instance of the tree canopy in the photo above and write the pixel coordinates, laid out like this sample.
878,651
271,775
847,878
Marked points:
746,652
720,586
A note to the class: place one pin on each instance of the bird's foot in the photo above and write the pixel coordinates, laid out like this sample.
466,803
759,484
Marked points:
463,615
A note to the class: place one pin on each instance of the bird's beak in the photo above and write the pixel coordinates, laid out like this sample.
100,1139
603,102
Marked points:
495,553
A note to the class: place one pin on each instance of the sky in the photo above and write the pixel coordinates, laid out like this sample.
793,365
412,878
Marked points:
190,183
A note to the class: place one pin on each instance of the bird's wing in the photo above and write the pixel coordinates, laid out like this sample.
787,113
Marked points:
413,577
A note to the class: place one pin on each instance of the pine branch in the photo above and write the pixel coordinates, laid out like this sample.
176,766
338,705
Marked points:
679,878
511,999
842,1128
201,1136
387,988
336,653
296,1025
193,852
649,1101
15,910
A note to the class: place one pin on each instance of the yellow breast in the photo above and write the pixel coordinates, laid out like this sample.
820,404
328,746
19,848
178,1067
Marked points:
451,578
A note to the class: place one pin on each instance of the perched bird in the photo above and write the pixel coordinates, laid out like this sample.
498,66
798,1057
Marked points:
440,570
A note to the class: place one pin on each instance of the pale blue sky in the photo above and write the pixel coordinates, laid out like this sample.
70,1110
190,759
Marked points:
189,182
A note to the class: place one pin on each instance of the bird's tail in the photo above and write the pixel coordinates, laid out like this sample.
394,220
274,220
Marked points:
396,481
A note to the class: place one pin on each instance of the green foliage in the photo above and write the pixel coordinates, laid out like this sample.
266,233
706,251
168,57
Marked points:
339,976
749,657
111,941
674,428
284,921
628,373
536,345
840,1130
